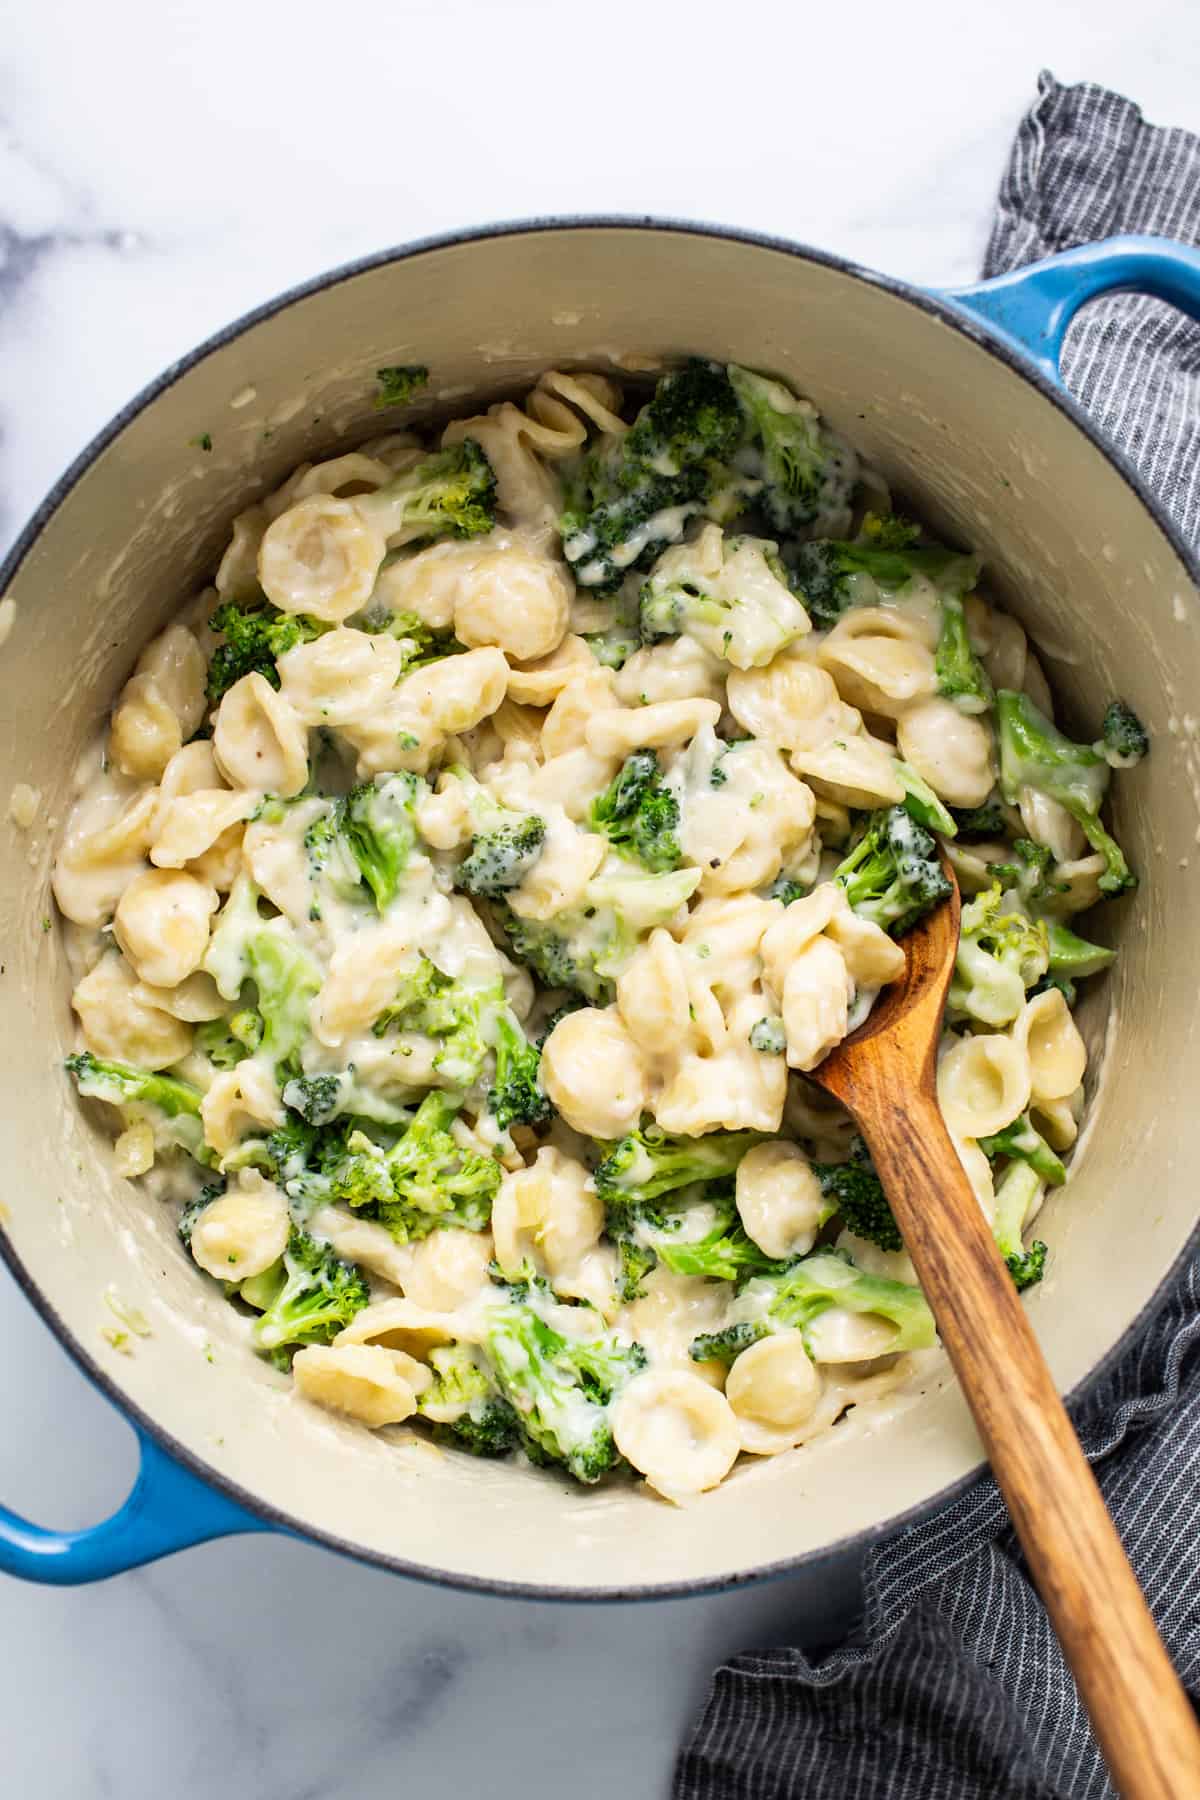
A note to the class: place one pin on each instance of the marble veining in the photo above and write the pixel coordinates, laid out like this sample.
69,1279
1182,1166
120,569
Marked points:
163,167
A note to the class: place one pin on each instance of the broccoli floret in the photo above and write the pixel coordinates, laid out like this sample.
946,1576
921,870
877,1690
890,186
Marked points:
631,498
227,1042
1073,957
922,804
696,1233
586,947
613,648
419,643
832,575
647,1163
170,1105
855,1192
893,875
244,946
987,821
464,1407
318,1296
377,822
961,676
190,1214
451,493
398,382
1124,740
796,1298
1022,1141
500,859
808,472
515,1097
768,1036
728,593
560,1388
785,890
1000,955
639,814
317,1098
505,844
1035,754
1029,873
1016,1194
425,1180
255,638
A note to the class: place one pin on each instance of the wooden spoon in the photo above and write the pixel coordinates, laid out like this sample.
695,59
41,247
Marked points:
884,1074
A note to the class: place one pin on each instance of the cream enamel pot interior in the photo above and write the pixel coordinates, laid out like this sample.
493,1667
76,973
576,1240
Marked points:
954,397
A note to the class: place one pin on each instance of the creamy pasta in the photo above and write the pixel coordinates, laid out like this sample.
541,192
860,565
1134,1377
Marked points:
472,877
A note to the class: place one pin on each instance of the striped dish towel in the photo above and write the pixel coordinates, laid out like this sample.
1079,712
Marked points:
954,1687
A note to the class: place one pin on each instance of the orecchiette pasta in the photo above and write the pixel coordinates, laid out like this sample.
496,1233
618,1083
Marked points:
773,1389
162,924
593,1073
258,741
374,1386
243,1232
677,1431
487,859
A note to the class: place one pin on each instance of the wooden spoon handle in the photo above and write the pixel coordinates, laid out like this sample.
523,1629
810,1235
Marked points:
1140,1712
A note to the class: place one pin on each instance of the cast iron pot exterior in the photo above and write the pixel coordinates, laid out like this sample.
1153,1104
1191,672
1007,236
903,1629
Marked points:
966,419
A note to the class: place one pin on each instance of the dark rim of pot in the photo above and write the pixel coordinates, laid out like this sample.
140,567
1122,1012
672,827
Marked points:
925,301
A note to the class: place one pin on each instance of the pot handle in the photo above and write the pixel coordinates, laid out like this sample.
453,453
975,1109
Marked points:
168,1508
1033,307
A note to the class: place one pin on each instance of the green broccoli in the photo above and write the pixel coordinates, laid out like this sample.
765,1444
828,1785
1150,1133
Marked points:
516,1096
744,613
425,1180
255,638
505,845
892,875
639,813
246,947
1030,873
785,890
170,1105
586,947
317,1296
1124,740
1021,1141
1034,754
560,1388
501,858
398,382
987,821
922,803
420,644
457,1017
464,1406
1016,1195
629,499
647,1163
450,493
377,824
1073,957
228,1041
961,676
1000,955
808,472
798,1296
189,1216
832,575
693,1232
855,1192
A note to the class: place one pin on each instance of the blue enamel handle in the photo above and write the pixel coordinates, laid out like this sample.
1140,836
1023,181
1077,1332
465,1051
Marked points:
1033,307
168,1508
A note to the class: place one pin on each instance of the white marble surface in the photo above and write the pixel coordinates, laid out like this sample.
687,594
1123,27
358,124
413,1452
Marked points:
164,166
